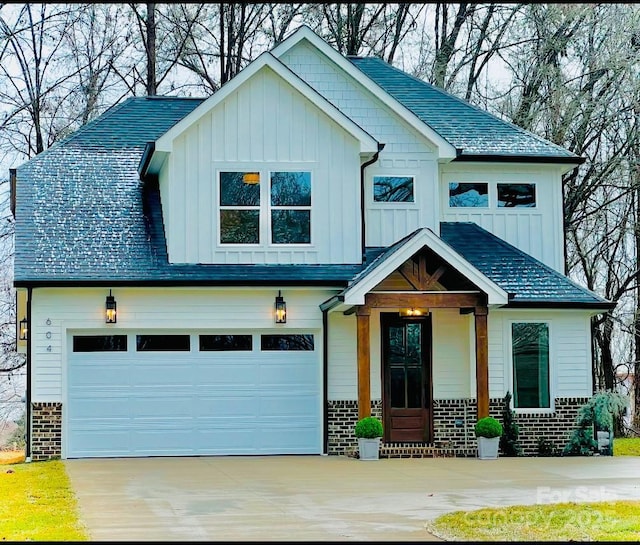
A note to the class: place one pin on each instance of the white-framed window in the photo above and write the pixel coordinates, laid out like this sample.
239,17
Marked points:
391,189
264,206
512,195
469,194
530,360
492,195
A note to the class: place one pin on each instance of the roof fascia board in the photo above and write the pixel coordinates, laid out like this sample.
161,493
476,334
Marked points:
355,295
445,150
368,144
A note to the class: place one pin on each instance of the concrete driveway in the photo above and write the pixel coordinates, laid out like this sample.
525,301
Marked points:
322,498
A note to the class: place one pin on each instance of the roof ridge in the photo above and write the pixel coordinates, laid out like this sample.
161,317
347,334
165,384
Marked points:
454,97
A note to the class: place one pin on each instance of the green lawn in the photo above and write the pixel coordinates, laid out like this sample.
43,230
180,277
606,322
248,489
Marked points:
38,504
602,521
626,446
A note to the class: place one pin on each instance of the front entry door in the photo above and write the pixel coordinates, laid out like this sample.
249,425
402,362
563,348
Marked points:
407,401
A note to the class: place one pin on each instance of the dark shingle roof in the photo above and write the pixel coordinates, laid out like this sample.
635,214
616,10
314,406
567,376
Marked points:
83,215
81,206
473,131
527,280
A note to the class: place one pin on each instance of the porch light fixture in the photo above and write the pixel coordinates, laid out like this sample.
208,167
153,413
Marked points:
111,315
281,309
251,178
23,329
413,312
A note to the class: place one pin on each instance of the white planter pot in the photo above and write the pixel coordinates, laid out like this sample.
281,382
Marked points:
488,448
369,449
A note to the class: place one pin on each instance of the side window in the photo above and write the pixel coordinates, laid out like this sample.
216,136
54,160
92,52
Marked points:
511,195
393,189
530,356
469,194
239,207
290,202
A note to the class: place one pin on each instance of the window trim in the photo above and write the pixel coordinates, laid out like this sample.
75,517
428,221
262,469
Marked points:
265,238
492,196
511,370
393,204
489,195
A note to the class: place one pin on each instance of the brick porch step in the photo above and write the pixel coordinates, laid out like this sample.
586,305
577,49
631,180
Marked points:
415,450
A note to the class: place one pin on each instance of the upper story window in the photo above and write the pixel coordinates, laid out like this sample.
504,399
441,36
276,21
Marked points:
393,189
469,194
278,211
510,195
290,207
530,356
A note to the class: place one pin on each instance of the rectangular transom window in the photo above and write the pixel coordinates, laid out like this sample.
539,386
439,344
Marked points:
530,351
393,189
99,343
286,342
163,343
468,194
511,195
225,342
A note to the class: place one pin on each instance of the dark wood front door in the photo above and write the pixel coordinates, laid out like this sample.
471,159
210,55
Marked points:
407,400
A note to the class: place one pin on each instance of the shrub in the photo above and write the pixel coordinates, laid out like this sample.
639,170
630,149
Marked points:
509,444
597,414
488,427
546,447
368,427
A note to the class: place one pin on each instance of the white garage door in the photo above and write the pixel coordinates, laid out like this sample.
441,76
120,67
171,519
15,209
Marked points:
170,394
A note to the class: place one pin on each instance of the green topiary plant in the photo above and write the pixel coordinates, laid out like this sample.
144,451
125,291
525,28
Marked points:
488,427
509,444
368,427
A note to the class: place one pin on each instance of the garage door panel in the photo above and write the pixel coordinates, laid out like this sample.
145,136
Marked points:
237,406
89,374
193,403
282,374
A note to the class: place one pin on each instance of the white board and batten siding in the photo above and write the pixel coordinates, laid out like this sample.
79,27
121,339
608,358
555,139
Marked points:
265,125
537,231
175,403
406,153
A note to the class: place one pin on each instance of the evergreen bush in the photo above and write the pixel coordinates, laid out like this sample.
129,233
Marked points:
597,414
509,444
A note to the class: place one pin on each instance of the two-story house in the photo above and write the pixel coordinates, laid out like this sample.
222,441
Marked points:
323,238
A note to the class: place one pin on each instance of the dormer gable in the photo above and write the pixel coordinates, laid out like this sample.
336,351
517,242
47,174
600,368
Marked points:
164,144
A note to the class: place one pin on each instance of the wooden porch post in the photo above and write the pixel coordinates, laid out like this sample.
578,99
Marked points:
482,361
364,362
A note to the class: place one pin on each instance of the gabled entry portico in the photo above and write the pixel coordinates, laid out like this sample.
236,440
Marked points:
402,289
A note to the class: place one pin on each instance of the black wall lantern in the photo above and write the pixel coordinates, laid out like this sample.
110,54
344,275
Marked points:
23,329
111,315
281,309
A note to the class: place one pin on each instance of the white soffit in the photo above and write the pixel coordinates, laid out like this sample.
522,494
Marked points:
355,294
445,150
368,144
